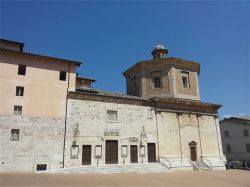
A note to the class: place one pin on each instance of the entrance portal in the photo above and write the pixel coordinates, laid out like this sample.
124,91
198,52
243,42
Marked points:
133,154
193,152
111,152
151,152
86,155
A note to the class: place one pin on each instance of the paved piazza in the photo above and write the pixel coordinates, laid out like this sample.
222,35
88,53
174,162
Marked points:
231,178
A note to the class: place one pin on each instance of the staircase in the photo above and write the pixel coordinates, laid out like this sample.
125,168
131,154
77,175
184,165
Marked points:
201,166
132,168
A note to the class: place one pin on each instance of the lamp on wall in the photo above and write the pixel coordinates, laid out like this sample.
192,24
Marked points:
74,150
76,130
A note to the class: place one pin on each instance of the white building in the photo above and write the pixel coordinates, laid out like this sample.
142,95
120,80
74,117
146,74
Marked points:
235,134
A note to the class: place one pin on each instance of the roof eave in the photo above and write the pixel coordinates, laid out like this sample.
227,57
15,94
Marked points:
41,56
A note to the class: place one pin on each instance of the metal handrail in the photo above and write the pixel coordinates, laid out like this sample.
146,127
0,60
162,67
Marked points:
210,163
167,161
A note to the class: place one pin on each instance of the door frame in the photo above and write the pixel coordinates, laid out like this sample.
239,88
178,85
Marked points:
136,153
106,151
151,161
193,145
87,145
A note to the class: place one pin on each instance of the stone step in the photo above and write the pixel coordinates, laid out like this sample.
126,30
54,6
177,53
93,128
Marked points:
136,168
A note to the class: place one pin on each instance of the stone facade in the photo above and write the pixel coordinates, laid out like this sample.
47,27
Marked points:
41,120
40,142
140,79
161,119
171,130
94,128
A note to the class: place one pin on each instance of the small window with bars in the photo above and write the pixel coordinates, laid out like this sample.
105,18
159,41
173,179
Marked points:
19,90
157,82
41,167
18,110
14,134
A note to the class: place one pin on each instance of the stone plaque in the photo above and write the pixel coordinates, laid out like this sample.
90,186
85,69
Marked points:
111,133
98,151
74,151
133,139
124,150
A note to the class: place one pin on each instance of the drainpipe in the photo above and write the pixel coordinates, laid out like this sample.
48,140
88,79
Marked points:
65,118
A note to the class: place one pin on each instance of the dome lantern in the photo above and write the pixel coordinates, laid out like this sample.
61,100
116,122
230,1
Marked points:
159,52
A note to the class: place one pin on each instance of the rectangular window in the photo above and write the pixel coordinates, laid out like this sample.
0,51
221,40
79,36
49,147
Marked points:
157,82
112,115
248,147
185,79
228,147
14,134
17,110
135,87
62,76
19,90
21,69
246,132
41,167
226,134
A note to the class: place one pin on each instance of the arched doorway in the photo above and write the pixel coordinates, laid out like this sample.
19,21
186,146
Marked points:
193,150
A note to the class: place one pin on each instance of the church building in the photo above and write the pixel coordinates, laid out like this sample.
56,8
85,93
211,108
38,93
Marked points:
51,118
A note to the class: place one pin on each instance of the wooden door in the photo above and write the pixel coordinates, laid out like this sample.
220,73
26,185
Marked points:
86,155
193,153
111,152
151,152
133,154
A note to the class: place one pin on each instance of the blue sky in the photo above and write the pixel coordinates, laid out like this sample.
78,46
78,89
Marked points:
109,37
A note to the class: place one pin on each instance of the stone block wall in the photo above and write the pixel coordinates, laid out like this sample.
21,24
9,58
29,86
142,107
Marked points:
176,131
40,142
94,129
148,74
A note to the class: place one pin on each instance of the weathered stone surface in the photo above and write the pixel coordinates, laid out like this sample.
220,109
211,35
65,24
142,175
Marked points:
40,142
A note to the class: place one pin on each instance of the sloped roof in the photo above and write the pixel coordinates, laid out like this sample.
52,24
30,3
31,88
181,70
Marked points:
243,119
169,60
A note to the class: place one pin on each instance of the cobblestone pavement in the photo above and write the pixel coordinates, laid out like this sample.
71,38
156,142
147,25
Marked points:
230,178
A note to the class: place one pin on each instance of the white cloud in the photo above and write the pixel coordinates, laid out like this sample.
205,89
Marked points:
228,116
